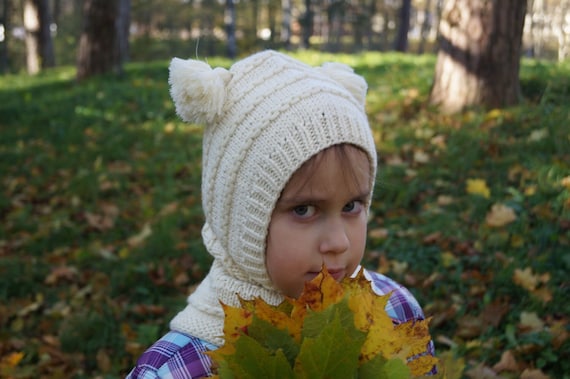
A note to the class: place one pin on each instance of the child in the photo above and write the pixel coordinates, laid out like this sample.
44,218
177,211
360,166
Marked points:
289,165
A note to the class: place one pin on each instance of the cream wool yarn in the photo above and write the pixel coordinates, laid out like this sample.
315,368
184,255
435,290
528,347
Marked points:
263,118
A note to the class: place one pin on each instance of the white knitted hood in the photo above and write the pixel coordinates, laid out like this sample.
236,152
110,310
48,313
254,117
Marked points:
263,118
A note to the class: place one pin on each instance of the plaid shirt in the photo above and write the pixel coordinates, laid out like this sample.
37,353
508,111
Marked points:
178,356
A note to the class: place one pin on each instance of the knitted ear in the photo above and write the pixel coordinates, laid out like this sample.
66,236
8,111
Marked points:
198,90
345,76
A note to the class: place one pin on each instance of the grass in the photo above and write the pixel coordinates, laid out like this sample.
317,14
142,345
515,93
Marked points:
100,216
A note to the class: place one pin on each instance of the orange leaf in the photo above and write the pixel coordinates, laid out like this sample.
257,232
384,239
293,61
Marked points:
319,294
12,359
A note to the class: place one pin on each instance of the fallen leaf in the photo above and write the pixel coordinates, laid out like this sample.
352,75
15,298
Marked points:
543,293
507,363
61,273
443,200
138,239
399,268
494,313
530,322
103,361
378,233
469,327
559,332
533,374
478,187
432,238
105,219
439,141
421,156
538,135
481,372
448,259
12,359
500,215
526,279
394,160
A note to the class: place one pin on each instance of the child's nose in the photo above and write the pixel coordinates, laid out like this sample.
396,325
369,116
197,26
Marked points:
334,237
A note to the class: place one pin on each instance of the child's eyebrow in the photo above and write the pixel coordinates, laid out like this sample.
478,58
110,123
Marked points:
310,199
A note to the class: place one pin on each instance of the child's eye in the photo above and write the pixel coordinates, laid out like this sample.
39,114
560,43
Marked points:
353,207
304,211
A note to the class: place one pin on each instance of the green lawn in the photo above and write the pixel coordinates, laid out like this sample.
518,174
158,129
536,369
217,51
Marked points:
100,216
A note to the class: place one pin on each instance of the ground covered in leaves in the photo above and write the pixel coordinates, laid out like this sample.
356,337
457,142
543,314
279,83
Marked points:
100,217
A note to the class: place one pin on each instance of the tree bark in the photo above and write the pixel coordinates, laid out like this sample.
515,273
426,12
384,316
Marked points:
479,54
307,25
97,53
401,42
286,23
426,27
5,21
45,41
39,45
123,27
32,27
230,25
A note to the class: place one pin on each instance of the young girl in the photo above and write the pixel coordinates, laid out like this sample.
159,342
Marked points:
289,165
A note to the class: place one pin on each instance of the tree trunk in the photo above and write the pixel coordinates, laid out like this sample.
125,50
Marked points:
255,18
123,27
32,27
286,23
401,42
479,54
5,21
426,27
230,25
39,46
307,25
271,17
562,29
97,53
45,40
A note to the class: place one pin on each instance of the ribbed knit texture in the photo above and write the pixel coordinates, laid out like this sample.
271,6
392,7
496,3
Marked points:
277,113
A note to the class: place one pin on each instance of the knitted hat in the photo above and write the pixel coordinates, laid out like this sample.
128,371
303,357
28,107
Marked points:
263,118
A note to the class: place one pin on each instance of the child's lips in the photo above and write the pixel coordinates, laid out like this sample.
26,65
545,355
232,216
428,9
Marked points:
336,273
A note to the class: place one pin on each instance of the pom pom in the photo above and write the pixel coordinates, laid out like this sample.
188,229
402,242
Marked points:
198,90
345,76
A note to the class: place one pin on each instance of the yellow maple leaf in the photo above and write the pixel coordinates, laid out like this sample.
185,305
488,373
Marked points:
478,187
318,294
270,314
236,322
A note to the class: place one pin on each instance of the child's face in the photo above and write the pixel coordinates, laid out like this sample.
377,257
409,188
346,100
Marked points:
319,219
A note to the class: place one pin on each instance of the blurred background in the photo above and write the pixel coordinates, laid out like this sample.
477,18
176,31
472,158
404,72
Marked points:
36,34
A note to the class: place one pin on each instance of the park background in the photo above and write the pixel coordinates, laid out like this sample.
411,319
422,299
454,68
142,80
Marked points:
100,204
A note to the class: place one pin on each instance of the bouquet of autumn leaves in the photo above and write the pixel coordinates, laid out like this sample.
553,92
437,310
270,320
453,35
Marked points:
333,330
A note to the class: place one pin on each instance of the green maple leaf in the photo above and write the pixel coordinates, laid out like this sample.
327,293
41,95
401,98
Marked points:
320,356
379,367
252,360
273,339
314,321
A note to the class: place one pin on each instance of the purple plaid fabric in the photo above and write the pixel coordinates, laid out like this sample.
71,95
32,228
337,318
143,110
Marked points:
178,356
